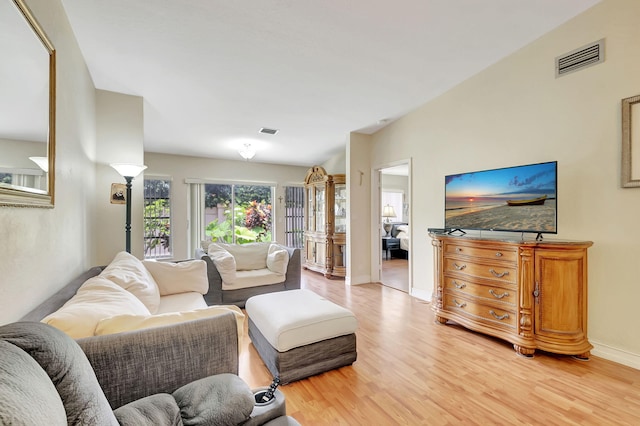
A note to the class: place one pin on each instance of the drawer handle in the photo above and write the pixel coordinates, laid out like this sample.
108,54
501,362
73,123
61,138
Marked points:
498,254
458,250
459,285
498,296
499,317
459,267
498,274
459,305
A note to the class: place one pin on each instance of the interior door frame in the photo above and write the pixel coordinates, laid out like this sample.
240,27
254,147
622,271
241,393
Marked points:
376,219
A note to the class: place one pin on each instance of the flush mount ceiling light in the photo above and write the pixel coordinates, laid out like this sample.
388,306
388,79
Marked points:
247,152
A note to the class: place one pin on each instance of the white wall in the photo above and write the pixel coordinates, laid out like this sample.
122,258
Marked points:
120,139
337,164
517,112
360,215
180,168
45,248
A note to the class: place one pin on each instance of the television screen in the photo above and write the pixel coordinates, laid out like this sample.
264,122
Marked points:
520,198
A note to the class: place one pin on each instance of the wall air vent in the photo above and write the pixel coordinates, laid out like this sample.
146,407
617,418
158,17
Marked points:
578,59
268,131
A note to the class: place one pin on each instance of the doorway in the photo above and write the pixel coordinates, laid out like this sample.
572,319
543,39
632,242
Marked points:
395,229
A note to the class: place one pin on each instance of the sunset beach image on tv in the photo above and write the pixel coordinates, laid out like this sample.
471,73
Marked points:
520,198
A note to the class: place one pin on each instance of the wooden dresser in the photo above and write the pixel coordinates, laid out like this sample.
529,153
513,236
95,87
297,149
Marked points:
530,293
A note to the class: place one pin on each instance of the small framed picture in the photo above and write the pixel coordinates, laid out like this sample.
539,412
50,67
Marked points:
118,193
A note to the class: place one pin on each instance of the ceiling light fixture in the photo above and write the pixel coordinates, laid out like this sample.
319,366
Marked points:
247,152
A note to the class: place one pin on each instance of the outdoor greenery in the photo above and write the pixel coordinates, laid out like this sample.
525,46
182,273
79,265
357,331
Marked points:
216,194
157,230
251,215
157,208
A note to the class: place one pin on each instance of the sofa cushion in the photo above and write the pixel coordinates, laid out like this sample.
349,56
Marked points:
27,395
224,261
277,259
248,256
153,410
67,367
222,399
254,278
129,273
173,278
181,302
96,299
121,323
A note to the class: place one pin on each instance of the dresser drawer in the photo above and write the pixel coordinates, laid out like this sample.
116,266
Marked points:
475,310
481,270
507,254
491,293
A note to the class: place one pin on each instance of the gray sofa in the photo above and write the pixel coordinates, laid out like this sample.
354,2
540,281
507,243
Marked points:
128,366
217,295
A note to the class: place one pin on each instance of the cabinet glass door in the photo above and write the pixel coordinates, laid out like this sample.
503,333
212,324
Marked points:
340,208
320,209
311,206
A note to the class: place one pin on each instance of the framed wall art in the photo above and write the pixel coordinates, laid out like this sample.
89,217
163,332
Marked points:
118,191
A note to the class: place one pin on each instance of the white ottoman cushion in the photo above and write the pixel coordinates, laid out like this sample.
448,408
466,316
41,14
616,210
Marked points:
289,319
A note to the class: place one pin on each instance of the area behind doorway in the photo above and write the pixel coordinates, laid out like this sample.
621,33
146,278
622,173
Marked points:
395,274
394,191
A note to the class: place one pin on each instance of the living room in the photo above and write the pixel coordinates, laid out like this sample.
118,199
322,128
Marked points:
514,112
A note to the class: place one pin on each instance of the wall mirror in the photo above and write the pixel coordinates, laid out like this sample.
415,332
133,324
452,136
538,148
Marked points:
27,109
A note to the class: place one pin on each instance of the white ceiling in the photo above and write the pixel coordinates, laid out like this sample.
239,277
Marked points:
213,72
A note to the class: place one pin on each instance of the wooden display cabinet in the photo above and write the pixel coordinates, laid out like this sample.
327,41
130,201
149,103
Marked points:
530,293
325,223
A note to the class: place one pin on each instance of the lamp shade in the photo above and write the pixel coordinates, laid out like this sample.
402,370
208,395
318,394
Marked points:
128,170
388,211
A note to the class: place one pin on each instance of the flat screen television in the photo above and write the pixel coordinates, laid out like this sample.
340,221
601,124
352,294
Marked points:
518,199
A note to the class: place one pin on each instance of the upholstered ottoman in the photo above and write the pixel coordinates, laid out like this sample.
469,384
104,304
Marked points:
299,333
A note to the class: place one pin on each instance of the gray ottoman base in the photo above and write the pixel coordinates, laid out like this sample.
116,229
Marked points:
304,361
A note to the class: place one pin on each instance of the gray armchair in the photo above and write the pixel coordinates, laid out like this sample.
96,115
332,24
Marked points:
48,379
217,295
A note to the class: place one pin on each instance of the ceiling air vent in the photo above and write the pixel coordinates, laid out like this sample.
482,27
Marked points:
268,131
578,59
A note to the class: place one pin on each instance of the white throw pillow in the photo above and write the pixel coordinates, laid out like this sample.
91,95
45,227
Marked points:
248,256
127,322
129,273
181,277
402,228
204,244
224,261
96,299
277,259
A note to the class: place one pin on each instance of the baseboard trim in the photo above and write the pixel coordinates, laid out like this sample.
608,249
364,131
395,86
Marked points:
616,355
363,279
421,294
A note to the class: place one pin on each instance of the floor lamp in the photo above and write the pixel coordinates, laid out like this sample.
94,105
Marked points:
128,172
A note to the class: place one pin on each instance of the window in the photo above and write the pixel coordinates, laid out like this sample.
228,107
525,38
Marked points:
294,216
395,200
237,213
157,218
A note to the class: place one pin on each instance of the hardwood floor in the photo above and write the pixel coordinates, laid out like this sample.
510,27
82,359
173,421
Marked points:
413,371
395,273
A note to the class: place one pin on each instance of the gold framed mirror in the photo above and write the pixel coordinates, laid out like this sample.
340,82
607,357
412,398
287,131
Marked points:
27,109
